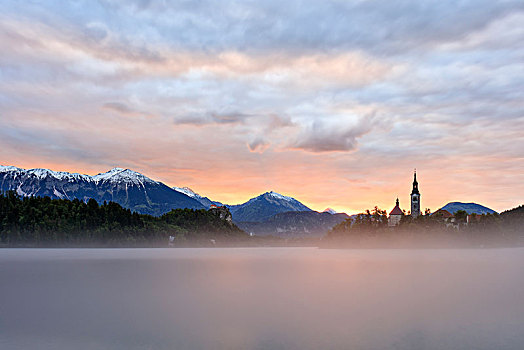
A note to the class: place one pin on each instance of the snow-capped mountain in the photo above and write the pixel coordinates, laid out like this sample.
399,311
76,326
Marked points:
126,187
470,208
265,206
206,202
119,175
42,173
330,211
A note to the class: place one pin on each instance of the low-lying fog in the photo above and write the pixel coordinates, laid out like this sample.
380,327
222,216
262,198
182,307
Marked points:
261,298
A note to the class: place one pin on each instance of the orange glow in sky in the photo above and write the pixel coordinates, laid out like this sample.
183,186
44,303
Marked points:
321,107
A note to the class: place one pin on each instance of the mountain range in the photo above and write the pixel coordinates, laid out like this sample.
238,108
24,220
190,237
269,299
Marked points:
268,213
123,186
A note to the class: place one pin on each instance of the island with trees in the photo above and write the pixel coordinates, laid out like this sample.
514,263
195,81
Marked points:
371,229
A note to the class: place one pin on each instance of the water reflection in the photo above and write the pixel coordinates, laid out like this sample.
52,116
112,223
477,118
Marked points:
267,298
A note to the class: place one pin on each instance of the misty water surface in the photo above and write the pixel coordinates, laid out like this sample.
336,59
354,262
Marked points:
261,298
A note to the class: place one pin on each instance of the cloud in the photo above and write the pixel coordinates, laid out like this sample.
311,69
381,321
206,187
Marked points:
278,121
119,107
189,85
210,118
96,31
306,26
335,134
127,110
258,144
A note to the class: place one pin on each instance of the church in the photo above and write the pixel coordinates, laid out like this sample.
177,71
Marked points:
415,198
396,214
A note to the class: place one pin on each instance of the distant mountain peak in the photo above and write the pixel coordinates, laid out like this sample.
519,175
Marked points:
123,175
279,196
470,208
108,174
113,175
42,173
264,206
330,211
6,168
272,195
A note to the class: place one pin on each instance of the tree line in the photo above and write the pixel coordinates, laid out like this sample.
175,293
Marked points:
371,228
42,221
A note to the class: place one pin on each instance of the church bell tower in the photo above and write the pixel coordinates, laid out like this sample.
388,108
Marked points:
415,198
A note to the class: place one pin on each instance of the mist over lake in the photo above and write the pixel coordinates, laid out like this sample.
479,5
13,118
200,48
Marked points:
261,298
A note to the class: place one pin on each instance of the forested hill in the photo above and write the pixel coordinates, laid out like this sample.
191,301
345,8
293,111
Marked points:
514,218
42,221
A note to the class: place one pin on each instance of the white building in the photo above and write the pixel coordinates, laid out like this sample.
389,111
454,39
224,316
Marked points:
395,215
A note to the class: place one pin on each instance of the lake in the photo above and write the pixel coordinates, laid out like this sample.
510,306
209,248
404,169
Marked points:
261,298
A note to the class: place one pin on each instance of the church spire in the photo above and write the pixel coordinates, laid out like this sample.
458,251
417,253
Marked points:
415,183
415,197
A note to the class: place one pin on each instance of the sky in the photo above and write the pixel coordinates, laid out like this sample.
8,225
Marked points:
332,102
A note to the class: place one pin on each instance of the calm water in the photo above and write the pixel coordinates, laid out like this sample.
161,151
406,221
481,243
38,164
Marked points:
261,298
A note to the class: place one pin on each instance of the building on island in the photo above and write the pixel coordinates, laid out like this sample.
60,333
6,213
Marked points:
446,217
222,212
443,214
395,215
415,198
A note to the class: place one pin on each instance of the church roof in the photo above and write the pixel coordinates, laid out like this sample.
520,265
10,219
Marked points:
396,211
